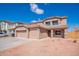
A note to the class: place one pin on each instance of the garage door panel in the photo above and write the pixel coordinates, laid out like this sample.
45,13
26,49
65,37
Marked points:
34,34
22,34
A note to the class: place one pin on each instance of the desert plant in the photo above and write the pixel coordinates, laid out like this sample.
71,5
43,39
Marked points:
75,41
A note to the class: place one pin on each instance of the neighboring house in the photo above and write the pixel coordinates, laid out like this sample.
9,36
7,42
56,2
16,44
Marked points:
7,26
50,27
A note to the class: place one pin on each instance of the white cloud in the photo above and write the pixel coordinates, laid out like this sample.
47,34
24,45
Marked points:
34,21
39,11
34,8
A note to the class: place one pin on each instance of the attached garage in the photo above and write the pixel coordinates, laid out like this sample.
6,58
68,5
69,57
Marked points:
21,32
34,33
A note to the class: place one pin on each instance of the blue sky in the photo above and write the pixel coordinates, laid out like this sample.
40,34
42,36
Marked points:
28,13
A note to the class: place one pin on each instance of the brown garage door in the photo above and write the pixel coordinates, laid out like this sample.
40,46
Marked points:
22,34
34,33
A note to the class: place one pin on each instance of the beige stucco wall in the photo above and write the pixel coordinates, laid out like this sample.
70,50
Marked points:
34,24
63,21
20,28
43,33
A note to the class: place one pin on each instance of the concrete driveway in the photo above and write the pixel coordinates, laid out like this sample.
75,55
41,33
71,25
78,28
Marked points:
10,42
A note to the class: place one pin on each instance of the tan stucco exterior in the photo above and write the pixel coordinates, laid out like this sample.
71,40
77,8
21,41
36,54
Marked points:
40,30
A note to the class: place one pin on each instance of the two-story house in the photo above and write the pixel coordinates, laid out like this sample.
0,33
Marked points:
49,27
7,26
4,25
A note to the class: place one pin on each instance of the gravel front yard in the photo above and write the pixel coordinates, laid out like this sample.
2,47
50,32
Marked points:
43,47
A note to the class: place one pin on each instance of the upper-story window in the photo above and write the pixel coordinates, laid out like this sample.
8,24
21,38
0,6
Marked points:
48,23
55,22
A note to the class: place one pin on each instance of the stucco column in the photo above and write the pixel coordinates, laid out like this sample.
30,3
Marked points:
51,23
28,30
15,33
6,26
51,33
65,33
39,33
59,22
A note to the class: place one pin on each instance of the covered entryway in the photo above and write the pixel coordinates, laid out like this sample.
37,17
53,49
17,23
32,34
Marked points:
58,33
21,32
